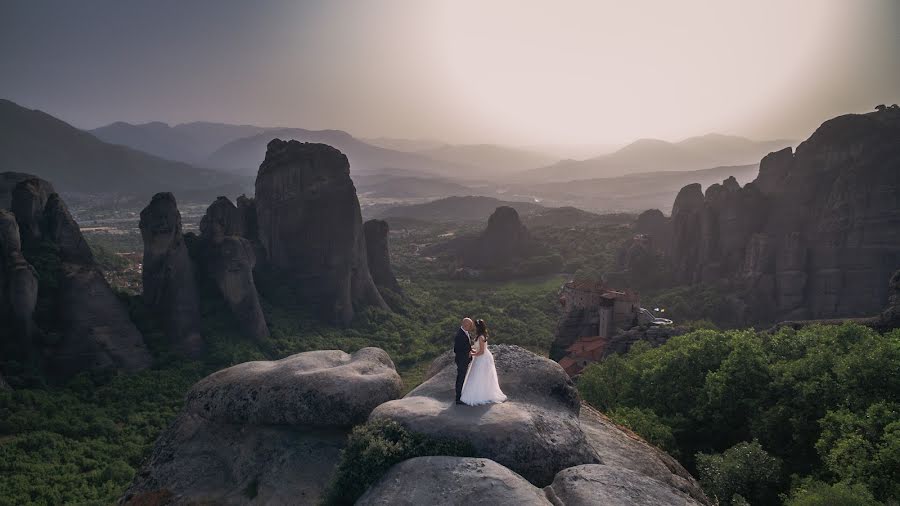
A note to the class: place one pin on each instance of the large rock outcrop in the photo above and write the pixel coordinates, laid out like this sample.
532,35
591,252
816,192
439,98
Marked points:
504,240
310,226
536,433
170,288
90,324
379,256
265,432
655,225
229,259
541,430
814,235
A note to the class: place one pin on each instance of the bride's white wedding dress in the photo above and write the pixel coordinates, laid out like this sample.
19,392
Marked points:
481,385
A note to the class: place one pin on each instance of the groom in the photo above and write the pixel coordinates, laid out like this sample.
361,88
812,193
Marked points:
462,348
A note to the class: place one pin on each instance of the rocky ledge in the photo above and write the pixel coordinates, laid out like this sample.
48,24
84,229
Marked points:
540,431
265,432
272,432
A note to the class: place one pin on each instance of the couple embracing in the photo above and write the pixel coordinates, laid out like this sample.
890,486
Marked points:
476,376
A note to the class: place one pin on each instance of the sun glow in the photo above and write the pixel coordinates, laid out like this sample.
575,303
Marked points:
621,70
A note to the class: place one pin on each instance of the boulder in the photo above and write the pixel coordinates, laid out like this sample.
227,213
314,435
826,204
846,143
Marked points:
265,432
170,288
541,430
595,484
310,227
229,260
327,388
452,480
379,256
535,433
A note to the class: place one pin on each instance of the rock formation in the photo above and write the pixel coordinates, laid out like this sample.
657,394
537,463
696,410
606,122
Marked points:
271,433
379,256
504,239
91,324
18,285
170,288
229,259
310,226
814,235
542,430
266,432
653,224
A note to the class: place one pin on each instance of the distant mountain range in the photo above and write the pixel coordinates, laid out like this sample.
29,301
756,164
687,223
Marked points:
629,193
241,148
187,142
73,160
654,155
244,155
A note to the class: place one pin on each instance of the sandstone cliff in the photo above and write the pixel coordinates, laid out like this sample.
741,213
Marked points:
504,240
83,324
170,288
310,226
229,259
814,236
379,256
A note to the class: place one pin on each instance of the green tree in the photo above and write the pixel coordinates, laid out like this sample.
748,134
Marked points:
744,470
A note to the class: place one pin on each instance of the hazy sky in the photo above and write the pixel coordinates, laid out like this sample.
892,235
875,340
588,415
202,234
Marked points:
516,72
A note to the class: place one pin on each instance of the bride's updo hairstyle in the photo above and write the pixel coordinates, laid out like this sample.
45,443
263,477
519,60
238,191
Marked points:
481,328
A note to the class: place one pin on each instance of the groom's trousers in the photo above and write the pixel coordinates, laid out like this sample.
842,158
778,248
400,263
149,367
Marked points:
461,368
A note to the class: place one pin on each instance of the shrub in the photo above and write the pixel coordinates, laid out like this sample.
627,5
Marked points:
648,425
745,470
373,448
816,493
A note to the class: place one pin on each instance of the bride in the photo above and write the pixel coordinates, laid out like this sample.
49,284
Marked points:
480,385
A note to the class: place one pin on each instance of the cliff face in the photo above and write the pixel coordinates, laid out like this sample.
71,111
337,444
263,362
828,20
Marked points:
814,236
168,274
229,259
379,256
310,226
91,324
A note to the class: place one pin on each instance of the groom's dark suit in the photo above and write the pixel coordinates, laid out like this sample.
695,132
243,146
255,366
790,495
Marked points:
461,347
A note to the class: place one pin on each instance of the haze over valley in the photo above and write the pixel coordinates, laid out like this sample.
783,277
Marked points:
441,252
